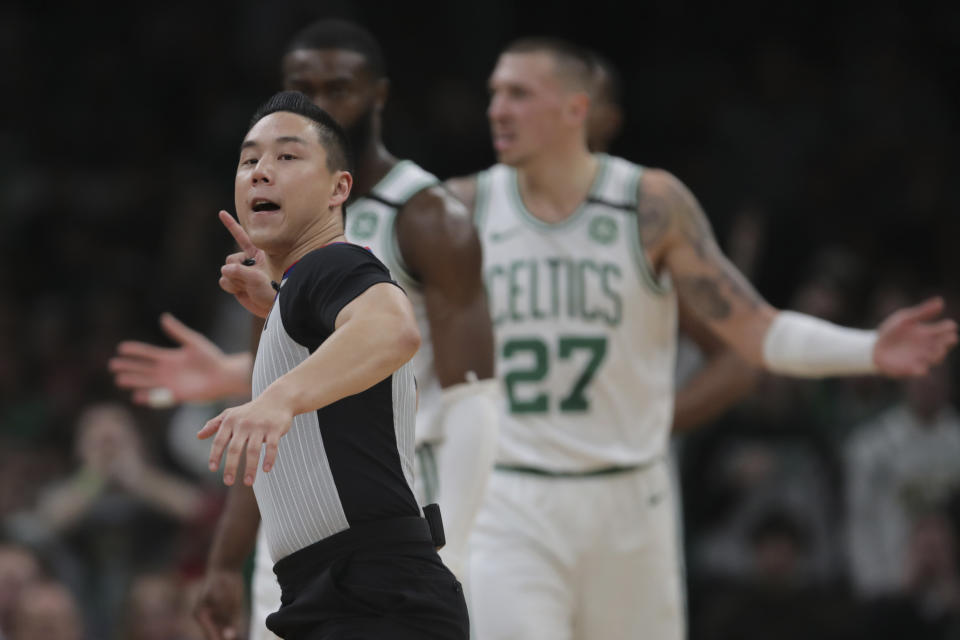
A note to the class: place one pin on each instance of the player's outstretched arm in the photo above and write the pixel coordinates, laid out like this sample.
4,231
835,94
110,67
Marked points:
907,344
195,371
440,245
374,335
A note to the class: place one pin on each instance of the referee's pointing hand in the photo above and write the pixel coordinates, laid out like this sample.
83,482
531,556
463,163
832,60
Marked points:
249,283
249,426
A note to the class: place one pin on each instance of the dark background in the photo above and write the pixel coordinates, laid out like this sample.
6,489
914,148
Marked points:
831,127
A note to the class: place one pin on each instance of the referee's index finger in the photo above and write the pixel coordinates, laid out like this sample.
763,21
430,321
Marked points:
243,240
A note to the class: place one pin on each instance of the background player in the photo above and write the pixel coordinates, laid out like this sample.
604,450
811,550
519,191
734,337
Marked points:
585,259
425,237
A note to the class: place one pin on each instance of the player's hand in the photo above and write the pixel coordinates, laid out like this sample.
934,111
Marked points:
196,371
912,340
247,427
250,285
219,605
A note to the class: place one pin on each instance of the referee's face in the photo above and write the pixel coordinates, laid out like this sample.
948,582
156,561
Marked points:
284,192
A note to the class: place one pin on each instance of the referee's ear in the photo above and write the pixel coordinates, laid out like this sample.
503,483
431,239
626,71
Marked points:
342,184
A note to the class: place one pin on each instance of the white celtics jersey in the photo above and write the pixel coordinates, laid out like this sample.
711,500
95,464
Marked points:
370,223
585,334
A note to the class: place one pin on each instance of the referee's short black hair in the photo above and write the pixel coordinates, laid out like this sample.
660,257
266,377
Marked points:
341,34
331,134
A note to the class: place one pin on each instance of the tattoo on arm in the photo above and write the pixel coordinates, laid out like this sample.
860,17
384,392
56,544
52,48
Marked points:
703,295
653,218
711,294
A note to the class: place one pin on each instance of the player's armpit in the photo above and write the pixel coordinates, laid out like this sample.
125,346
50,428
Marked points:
441,248
706,282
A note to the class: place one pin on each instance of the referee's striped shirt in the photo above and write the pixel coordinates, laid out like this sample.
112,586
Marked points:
349,462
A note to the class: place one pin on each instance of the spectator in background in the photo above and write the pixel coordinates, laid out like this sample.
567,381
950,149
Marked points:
115,515
929,607
19,568
776,599
899,466
46,611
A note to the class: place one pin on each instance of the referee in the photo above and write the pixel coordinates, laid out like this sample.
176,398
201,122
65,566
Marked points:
332,419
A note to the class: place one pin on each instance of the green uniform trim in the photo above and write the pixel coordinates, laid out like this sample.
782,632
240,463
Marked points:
482,198
591,473
525,214
647,274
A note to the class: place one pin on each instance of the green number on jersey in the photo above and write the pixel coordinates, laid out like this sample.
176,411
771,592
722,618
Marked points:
536,373
576,400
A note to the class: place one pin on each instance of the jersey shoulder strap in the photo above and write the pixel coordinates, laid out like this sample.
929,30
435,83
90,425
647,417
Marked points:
404,181
617,186
494,187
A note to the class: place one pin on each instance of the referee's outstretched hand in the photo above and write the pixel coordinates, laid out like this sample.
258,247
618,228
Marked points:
247,427
249,283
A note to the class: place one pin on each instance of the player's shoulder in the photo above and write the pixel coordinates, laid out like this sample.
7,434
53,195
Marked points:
654,180
464,189
436,235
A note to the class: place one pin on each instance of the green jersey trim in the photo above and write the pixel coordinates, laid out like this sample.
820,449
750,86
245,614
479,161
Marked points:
647,274
525,214
386,182
482,198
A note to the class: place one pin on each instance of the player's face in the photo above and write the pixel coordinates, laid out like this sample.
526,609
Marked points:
283,187
336,80
528,105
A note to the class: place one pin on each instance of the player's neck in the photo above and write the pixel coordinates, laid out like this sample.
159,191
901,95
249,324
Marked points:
553,186
372,163
314,237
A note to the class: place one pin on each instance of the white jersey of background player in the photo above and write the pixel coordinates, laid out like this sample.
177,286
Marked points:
585,257
425,238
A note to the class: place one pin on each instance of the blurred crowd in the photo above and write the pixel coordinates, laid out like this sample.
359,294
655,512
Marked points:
823,146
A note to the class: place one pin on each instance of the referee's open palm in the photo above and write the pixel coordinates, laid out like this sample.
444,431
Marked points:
246,428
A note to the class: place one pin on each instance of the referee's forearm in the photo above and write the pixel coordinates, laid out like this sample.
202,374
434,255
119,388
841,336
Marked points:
355,357
236,532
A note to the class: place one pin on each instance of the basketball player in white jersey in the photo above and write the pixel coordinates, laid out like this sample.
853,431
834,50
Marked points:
424,236
585,257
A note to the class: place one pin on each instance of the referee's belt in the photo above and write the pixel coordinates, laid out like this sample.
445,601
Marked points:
589,473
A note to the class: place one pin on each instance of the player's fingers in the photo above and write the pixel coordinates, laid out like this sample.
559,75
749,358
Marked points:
234,451
180,332
270,452
135,381
211,427
253,458
243,240
143,350
131,365
926,310
141,396
203,615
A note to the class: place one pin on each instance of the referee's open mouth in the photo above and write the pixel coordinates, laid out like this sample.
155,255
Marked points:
262,205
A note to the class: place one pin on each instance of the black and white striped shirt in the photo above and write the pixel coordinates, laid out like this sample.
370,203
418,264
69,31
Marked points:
351,461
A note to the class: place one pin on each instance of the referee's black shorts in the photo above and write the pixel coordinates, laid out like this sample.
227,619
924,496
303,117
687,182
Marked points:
376,580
